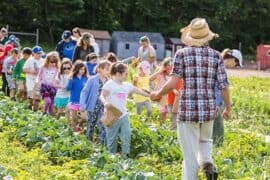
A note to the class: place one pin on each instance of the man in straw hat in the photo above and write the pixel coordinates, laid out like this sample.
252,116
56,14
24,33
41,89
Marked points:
201,68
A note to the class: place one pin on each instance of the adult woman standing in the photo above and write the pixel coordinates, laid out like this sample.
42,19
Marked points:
83,48
147,53
76,34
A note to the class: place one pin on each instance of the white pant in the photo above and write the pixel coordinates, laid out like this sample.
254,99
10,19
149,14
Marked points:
196,144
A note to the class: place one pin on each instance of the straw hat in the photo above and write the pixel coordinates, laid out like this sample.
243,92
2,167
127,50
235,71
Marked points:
197,33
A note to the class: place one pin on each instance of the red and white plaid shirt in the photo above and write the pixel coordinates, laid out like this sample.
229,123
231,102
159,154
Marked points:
201,69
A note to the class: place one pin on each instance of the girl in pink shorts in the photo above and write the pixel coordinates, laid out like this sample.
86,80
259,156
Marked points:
75,85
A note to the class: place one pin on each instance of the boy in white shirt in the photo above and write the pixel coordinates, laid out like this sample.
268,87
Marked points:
31,69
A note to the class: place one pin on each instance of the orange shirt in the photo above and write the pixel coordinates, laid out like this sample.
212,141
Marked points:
171,95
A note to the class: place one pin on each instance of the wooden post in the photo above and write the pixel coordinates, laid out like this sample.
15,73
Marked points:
7,27
240,46
37,36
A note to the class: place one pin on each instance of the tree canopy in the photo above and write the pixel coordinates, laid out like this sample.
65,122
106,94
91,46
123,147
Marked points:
242,21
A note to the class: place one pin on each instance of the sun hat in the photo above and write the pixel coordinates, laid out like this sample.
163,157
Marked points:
37,50
197,33
66,34
145,66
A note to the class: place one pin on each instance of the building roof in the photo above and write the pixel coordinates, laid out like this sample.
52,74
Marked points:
135,36
98,34
174,41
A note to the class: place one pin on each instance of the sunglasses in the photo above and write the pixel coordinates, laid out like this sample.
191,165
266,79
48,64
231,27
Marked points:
66,68
53,62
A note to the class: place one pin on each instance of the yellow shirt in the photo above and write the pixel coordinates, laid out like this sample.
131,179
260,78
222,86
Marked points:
142,83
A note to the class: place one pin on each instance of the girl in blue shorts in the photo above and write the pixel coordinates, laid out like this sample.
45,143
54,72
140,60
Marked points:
61,82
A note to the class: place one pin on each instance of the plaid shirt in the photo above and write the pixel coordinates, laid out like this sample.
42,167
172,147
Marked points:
201,69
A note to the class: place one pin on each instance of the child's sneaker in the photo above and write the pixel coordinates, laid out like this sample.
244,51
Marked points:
78,130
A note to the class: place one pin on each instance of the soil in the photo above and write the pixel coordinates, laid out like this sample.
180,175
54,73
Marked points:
247,73
248,70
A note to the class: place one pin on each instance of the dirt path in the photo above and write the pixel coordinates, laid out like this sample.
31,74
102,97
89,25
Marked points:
247,73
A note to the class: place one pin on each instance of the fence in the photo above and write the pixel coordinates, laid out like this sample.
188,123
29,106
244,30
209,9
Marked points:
36,34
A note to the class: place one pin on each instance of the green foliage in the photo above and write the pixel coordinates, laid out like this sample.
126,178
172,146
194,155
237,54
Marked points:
35,147
235,21
251,104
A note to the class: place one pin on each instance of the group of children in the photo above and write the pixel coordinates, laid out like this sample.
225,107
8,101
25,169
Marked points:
83,90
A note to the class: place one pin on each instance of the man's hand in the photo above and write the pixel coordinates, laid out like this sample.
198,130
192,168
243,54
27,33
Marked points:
154,96
226,113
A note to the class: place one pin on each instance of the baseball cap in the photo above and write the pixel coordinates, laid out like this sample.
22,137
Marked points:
37,50
12,38
238,55
66,34
145,66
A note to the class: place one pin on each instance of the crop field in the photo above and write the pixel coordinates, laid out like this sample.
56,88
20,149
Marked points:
41,147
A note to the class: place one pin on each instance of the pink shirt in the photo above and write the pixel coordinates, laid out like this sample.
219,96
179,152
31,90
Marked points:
161,79
47,75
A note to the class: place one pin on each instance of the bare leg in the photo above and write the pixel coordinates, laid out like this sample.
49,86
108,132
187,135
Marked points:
30,103
163,116
59,113
35,104
73,119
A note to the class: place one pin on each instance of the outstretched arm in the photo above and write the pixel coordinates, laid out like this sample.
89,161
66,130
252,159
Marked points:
168,86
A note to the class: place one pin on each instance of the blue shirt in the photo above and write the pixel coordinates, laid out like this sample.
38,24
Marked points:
89,94
75,87
91,68
66,49
219,100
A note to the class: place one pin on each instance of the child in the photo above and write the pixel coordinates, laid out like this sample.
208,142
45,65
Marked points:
111,57
173,102
45,80
18,74
75,85
83,48
115,93
218,127
161,77
142,81
5,55
8,66
91,62
133,68
31,68
90,102
61,81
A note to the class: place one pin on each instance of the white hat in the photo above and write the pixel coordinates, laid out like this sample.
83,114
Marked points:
238,55
145,66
